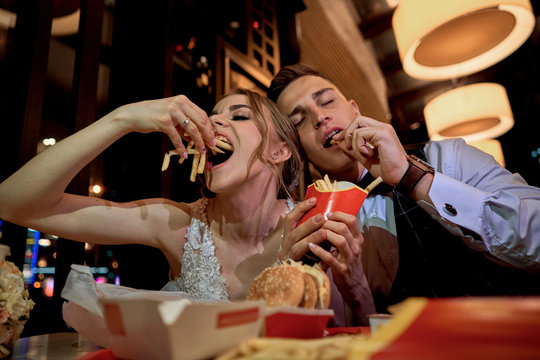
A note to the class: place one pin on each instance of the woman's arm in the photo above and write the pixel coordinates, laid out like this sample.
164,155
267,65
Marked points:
34,196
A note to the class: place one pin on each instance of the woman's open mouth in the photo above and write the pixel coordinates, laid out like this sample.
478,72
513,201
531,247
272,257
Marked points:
216,158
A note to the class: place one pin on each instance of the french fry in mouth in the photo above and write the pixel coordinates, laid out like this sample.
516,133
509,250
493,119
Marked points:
368,144
224,145
334,142
199,160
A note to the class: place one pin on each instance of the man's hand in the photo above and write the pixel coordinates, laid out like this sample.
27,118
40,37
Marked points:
387,159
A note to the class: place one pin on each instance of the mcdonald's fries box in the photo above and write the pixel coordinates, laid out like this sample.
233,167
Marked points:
143,324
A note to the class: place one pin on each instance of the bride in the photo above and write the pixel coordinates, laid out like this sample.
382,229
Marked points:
214,246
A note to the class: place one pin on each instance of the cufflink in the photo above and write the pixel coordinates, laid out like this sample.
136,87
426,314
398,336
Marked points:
449,209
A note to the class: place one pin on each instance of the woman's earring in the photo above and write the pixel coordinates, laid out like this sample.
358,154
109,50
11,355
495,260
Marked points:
274,158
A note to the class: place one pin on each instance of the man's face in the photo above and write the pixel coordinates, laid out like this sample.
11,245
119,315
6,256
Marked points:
319,111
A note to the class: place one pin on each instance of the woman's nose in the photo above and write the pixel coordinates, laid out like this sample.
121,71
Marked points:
218,120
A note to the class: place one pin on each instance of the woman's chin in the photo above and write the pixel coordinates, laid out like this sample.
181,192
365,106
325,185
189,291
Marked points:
217,183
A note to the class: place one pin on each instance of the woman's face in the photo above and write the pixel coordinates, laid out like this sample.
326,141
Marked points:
234,123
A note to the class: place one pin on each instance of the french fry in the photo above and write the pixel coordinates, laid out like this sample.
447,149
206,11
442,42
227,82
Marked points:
216,150
328,183
224,145
320,185
166,162
194,166
374,183
202,162
330,348
368,144
199,160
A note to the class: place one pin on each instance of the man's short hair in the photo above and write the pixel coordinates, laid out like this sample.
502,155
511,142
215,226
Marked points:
287,75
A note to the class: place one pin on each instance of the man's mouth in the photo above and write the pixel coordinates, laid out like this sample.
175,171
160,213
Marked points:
329,138
217,158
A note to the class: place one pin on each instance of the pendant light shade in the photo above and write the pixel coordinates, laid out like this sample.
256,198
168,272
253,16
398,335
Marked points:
61,25
492,147
446,39
474,112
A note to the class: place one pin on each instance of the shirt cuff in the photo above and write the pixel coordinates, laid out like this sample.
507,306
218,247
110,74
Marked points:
458,202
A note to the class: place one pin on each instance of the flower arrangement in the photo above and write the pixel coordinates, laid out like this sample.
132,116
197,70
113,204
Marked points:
15,306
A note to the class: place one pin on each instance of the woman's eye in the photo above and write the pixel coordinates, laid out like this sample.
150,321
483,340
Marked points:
240,117
298,120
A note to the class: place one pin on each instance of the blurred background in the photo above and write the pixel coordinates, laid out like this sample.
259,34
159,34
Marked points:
65,63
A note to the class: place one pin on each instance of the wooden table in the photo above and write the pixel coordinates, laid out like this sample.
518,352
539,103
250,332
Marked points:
57,346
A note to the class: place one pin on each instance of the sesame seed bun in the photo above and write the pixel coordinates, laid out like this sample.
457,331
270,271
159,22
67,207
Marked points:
310,296
278,286
292,284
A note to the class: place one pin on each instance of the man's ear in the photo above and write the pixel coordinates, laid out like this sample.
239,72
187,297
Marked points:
281,152
355,107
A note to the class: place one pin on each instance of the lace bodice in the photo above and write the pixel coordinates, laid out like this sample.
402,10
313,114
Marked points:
201,271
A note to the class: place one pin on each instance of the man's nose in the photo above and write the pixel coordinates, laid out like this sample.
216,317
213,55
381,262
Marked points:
320,118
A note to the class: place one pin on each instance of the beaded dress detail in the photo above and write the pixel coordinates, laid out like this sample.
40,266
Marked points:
201,271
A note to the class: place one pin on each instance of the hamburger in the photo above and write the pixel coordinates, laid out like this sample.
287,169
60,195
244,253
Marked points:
293,284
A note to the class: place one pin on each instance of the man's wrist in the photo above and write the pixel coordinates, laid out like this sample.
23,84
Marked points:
415,172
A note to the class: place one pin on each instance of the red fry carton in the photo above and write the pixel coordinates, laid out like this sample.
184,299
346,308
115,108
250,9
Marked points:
299,323
348,198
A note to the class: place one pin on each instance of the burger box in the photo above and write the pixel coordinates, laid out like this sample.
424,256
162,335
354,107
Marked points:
178,329
143,324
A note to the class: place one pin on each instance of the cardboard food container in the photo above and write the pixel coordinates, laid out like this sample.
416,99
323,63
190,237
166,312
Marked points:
145,324
348,198
299,323
149,329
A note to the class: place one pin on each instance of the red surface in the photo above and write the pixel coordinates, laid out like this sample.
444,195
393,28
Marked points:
348,330
471,328
103,354
234,318
348,201
298,326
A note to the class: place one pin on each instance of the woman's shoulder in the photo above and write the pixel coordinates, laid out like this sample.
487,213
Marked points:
175,214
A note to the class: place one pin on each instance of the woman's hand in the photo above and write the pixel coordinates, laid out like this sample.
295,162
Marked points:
175,116
345,258
296,239
386,159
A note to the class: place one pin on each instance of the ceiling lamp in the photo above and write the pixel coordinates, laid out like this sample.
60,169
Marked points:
492,147
440,40
61,25
473,112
